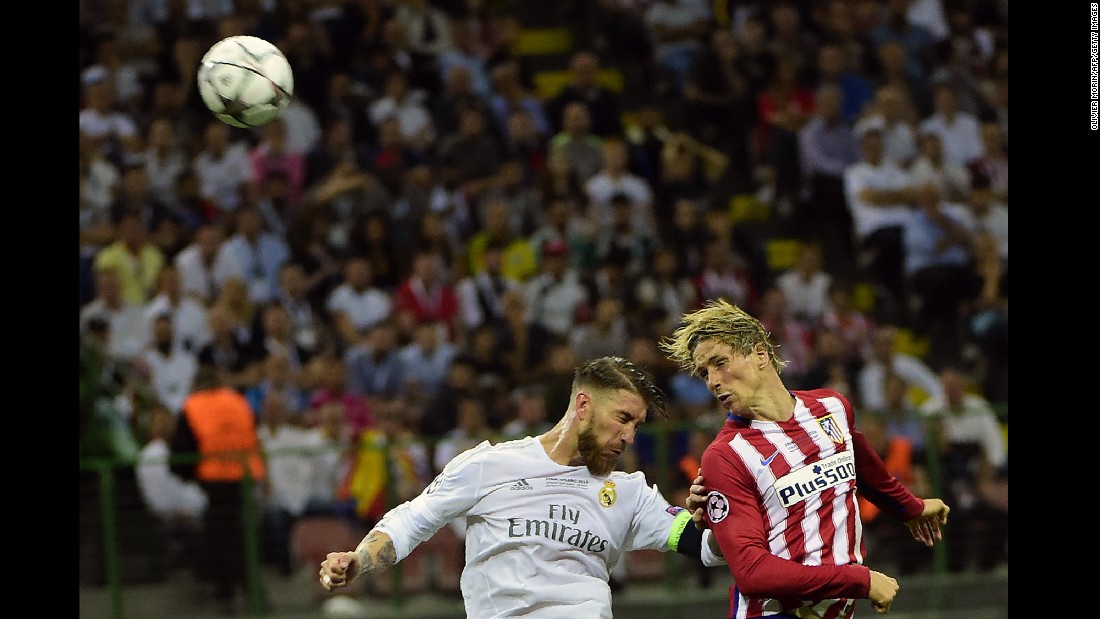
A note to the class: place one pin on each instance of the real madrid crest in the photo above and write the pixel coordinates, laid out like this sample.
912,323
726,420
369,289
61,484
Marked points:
607,494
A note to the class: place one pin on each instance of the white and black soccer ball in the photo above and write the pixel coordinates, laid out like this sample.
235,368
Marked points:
245,81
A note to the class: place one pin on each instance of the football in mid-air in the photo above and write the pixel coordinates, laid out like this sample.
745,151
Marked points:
245,81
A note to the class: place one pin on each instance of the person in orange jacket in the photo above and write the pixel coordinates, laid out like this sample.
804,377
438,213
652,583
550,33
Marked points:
217,423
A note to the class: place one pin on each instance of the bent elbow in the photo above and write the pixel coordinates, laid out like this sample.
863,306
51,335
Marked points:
752,586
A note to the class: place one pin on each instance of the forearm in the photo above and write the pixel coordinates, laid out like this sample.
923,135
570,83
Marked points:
761,574
710,552
879,486
375,553
713,543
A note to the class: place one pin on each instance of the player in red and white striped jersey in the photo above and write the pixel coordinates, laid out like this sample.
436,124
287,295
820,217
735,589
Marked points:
781,479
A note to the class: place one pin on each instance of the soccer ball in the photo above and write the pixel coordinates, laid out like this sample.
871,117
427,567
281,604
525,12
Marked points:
245,81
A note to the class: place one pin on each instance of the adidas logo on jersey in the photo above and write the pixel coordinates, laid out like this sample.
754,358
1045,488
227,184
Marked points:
521,485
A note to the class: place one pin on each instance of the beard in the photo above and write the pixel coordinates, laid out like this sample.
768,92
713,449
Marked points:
595,455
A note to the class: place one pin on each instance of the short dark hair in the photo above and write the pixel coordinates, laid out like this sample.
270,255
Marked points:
619,373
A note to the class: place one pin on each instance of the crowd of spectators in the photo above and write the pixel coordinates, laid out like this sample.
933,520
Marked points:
425,245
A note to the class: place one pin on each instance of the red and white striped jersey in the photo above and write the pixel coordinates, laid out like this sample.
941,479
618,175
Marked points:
782,505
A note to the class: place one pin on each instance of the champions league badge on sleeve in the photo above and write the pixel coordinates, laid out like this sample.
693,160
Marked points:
718,506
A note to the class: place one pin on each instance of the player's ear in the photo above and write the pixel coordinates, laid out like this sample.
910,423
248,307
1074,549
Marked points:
760,355
582,403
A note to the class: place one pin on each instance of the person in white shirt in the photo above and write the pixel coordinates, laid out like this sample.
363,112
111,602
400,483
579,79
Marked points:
357,304
967,418
164,159
973,470
223,168
932,167
128,331
171,368
556,294
189,319
892,114
984,213
166,495
409,106
615,178
292,453
879,193
114,132
206,264
261,252
885,360
806,286
959,131
547,517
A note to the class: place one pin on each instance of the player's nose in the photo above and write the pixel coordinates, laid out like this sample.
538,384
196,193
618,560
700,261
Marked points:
628,434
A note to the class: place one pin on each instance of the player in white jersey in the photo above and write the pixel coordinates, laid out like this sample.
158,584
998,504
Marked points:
547,517
782,475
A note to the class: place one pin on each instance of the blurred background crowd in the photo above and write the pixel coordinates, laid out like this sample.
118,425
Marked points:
468,198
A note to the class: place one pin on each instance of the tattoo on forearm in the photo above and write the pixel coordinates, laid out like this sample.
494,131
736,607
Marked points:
387,555
375,560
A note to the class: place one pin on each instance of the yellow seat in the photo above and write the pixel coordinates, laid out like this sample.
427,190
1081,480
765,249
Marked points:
543,42
911,344
782,254
745,207
863,297
549,83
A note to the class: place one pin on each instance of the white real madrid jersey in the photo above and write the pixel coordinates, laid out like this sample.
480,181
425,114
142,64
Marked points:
541,538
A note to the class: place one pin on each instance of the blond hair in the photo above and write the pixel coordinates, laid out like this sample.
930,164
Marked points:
724,322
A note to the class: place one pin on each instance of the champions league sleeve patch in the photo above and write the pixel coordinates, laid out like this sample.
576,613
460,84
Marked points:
718,506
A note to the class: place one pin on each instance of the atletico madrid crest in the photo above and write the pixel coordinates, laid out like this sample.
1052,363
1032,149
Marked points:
831,428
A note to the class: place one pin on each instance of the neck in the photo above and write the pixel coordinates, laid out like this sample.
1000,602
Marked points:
560,442
772,403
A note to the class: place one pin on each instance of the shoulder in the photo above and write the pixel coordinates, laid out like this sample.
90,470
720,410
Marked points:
824,395
978,405
933,406
155,448
341,292
188,255
721,450
501,458
907,362
633,485
623,478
